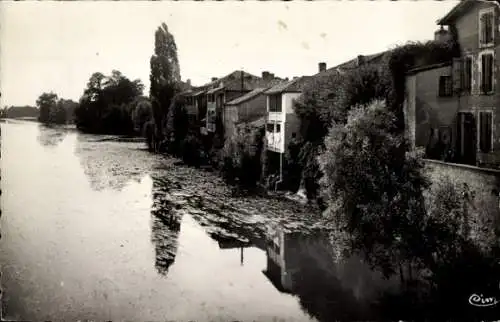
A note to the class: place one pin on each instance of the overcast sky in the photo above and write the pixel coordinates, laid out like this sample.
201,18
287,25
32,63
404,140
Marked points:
56,46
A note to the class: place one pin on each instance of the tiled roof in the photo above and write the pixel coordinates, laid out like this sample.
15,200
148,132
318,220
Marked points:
428,67
258,122
233,82
215,90
295,85
247,96
353,63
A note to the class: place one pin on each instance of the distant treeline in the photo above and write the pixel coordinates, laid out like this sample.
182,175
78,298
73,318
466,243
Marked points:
19,111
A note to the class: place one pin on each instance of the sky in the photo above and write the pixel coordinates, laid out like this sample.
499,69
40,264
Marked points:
56,45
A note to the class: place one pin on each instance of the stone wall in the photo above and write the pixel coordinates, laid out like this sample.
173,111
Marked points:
484,184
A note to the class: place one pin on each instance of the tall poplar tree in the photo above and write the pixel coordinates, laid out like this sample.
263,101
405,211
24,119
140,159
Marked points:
164,77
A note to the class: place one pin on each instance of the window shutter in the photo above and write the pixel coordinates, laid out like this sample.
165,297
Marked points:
490,73
457,76
482,70
482,28
475,74
485,122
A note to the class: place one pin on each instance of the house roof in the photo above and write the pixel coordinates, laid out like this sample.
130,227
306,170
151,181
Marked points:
427,67
462,7
234,82
293,86
247,96
353,63
459,9
259,121
213,90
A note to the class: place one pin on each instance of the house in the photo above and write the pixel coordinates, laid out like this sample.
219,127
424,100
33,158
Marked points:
226,89
282,122
451,108
282,260
244,109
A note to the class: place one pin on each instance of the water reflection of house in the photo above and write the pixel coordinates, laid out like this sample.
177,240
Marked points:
280,261
451,107
303,264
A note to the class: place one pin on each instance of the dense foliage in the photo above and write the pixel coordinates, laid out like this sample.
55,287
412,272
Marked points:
325,100
241,156
373,193
107,104
329,98
177,124
382,204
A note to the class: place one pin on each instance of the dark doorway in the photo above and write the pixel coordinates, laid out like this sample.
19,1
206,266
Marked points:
466,138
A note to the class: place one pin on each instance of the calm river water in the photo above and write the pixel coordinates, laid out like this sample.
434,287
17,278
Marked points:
98,229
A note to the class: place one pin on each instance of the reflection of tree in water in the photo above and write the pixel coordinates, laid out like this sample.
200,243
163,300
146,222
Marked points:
111,164
304,265
165,226
50,136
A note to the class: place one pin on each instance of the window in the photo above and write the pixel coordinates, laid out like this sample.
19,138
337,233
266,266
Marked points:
487,73
278,128
219,100
467,74
485,131
445,86
486,27
270,127
275,103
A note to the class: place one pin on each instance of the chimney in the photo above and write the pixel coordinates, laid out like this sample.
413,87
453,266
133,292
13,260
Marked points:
442,35
322,67
188,82
214,79
360,60
267,75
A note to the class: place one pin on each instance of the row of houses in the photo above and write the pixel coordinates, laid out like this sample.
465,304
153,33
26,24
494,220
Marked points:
450,108
222,106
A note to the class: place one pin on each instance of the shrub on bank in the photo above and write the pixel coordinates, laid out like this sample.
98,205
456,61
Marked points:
241,157
190,150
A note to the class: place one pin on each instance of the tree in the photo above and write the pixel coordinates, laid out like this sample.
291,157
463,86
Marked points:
45,103
141,113
328,99
164,76
373,193
107,104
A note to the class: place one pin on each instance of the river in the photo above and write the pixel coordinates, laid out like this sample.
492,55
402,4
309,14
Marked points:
99,229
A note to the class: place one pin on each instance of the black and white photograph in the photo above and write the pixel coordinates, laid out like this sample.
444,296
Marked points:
234,161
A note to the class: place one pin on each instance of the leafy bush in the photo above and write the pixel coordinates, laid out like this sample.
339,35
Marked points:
190,150
241,157
374,193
